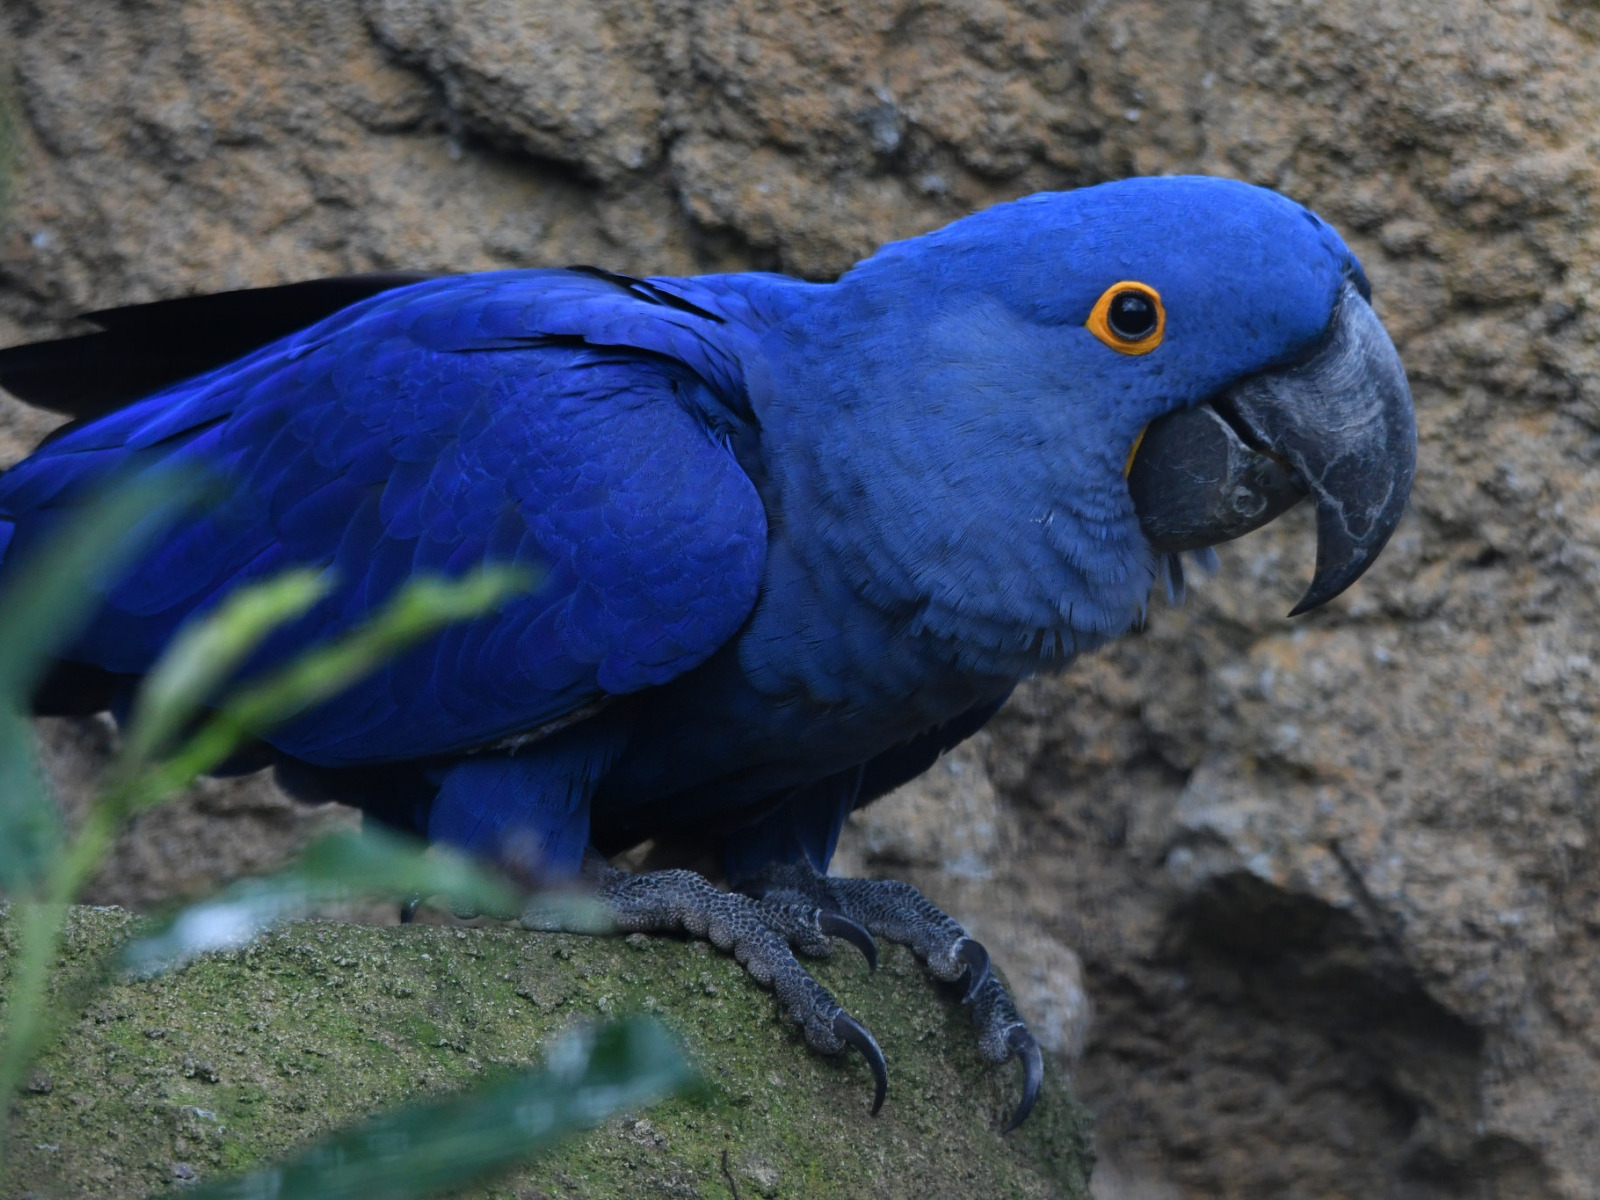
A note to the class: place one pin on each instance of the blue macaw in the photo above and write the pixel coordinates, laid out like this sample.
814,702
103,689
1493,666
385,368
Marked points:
793,539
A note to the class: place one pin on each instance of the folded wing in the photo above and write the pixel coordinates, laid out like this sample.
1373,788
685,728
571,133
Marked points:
572,422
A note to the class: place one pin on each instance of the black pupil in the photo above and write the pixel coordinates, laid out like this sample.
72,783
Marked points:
1132,315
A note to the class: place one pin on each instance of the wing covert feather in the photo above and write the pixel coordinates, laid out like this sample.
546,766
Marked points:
550,419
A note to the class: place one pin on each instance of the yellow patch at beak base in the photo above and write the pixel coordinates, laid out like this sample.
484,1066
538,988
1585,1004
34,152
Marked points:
1127,467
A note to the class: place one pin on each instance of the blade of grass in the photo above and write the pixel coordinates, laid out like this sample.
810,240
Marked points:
50,597
341,867
31,828
63,578
417,610
420,608
204,653
444,1145
30,824
44,604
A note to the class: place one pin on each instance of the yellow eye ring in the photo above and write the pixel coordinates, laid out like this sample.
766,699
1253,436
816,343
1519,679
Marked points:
1129,317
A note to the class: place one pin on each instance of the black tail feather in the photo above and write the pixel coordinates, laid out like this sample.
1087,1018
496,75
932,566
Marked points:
143,348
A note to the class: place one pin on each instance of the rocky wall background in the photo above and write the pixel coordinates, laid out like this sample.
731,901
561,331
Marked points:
1331,887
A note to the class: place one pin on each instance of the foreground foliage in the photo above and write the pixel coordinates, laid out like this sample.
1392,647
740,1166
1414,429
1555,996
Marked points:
186,719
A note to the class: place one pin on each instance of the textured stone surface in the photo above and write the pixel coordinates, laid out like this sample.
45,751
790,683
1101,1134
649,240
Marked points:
1333,884
244,1057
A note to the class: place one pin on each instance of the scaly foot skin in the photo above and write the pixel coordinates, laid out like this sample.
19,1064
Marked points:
758,935
900,913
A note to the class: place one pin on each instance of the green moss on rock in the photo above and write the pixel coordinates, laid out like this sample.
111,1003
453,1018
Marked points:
243,1057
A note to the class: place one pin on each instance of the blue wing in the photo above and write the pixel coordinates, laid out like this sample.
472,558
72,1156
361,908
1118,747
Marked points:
575,422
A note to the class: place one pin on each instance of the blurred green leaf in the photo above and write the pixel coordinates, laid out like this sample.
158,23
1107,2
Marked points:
48,598
336,869
203,654
46,601
417,610
444,1145
378,862
31,829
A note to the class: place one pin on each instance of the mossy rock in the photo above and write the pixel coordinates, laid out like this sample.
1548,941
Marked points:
243,1057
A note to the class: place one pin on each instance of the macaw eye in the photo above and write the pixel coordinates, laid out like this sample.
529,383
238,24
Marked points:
1129,318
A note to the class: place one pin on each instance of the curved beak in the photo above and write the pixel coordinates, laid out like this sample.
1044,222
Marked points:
1337,426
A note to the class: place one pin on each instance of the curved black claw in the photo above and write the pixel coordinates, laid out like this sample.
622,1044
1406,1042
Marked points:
853,1033
838,925
1026,1049
408,910
977,959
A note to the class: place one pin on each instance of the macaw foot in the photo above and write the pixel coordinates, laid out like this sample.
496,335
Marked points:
900,913
759,934
788,908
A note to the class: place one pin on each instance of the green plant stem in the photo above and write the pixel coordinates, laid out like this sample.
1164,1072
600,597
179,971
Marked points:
37,930
137,784
37,923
